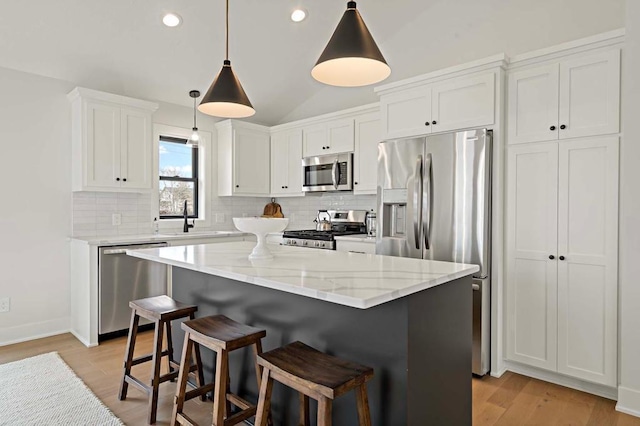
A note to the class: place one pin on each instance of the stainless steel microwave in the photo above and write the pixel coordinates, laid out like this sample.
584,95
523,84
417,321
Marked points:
327,173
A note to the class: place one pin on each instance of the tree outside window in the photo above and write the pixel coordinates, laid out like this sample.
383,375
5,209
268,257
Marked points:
178,178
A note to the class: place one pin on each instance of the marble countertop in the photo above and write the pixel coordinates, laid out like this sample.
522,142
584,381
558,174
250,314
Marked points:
359,238
168,236
351,279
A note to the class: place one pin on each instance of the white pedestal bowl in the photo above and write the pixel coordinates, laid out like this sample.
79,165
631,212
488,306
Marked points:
260,227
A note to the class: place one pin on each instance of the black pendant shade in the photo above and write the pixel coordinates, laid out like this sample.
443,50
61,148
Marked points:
352,57
226,98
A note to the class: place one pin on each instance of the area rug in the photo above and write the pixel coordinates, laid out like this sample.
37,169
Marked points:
43,390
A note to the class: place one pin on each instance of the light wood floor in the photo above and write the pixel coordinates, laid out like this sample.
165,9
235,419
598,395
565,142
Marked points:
510,400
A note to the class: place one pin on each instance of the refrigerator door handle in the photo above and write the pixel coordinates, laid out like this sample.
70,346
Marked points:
417,201
426,221
335,174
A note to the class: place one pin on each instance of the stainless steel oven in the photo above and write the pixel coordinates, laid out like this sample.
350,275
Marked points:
327,173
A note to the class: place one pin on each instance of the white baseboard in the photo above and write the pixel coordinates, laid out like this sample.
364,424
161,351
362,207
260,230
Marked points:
32,331
498,374
562,380
82,339
628,401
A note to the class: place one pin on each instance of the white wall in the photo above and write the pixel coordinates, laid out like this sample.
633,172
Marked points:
452,32
629,391
35,211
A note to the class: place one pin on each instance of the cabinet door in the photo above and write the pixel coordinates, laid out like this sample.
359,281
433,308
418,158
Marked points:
315,140
406,113
251,154
533,105
286,159
294,185
531,239
590,95
340,135
136,150
103,146
587,277
463,103
365,170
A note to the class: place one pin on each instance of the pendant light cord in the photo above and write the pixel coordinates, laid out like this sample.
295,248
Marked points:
227,33
194,113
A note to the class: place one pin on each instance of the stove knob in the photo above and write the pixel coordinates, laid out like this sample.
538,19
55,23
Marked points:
318,244
294,243
305,243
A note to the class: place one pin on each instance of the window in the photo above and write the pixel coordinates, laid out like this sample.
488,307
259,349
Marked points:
178,178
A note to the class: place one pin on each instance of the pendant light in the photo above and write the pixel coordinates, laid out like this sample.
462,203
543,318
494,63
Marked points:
351,57
194,140
226,97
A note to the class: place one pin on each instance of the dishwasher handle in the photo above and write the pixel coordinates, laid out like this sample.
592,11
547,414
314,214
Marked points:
123,249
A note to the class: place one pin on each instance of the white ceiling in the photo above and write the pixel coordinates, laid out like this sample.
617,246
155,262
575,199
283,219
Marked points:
121,46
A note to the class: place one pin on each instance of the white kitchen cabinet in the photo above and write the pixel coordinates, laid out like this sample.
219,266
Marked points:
587,270
243,159
286,159
443,106
365,168
562,210
463,103
331,137
406,113
568,99
111,142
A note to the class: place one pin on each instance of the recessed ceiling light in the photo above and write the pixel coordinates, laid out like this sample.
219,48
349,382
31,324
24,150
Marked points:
171,19
298,15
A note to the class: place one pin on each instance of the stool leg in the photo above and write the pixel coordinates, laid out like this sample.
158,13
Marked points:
364,416
227,403
199,373
220,390
128,354
183,375
304,410
257,350
263,412
155,372
324,411
170,347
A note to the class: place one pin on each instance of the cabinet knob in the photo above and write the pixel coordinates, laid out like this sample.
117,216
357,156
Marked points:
434,122
561,258
427,123
551,257
355,183
563,127
237,186
286,187
124,180
552,128
118,179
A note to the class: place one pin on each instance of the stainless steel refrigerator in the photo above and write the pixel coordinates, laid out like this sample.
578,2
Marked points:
434,202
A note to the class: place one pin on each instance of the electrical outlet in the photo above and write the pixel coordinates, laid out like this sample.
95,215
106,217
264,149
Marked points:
5,304
219,217
116,219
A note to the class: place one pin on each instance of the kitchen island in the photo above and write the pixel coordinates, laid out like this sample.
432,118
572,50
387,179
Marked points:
409,319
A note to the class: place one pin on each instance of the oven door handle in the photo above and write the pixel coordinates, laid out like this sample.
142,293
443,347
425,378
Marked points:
335,174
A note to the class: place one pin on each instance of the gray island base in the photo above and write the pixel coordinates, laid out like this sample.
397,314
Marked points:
419,346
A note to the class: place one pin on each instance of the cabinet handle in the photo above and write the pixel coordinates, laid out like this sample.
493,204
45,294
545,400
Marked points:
434,122
118,179
551,257
563,127
561,258
552,128
427,123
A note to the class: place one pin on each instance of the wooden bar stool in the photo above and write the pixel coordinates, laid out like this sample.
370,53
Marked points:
313,374
161,310
222,335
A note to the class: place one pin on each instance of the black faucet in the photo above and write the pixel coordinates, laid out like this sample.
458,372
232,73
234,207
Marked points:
186,226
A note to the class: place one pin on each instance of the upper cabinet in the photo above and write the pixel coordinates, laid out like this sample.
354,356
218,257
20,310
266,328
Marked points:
441,106
243,159
286,163
365,167
571,98
112,145
331,137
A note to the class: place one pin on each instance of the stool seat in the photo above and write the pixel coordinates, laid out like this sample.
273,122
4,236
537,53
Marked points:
223,332
329,375
162,308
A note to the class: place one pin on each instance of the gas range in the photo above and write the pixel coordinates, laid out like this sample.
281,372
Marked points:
343,222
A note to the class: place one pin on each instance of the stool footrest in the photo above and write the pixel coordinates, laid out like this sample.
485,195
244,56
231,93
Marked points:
183,419
137,383
147,358
239,402
240,416
199,391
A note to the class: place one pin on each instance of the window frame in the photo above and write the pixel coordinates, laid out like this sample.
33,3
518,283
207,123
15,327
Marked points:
194,179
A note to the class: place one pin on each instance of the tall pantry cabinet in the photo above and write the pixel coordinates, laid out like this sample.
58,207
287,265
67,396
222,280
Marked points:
562,216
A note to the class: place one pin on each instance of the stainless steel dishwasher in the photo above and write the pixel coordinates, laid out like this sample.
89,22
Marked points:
124,278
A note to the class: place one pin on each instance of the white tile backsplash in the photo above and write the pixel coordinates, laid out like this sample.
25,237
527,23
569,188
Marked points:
92,211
